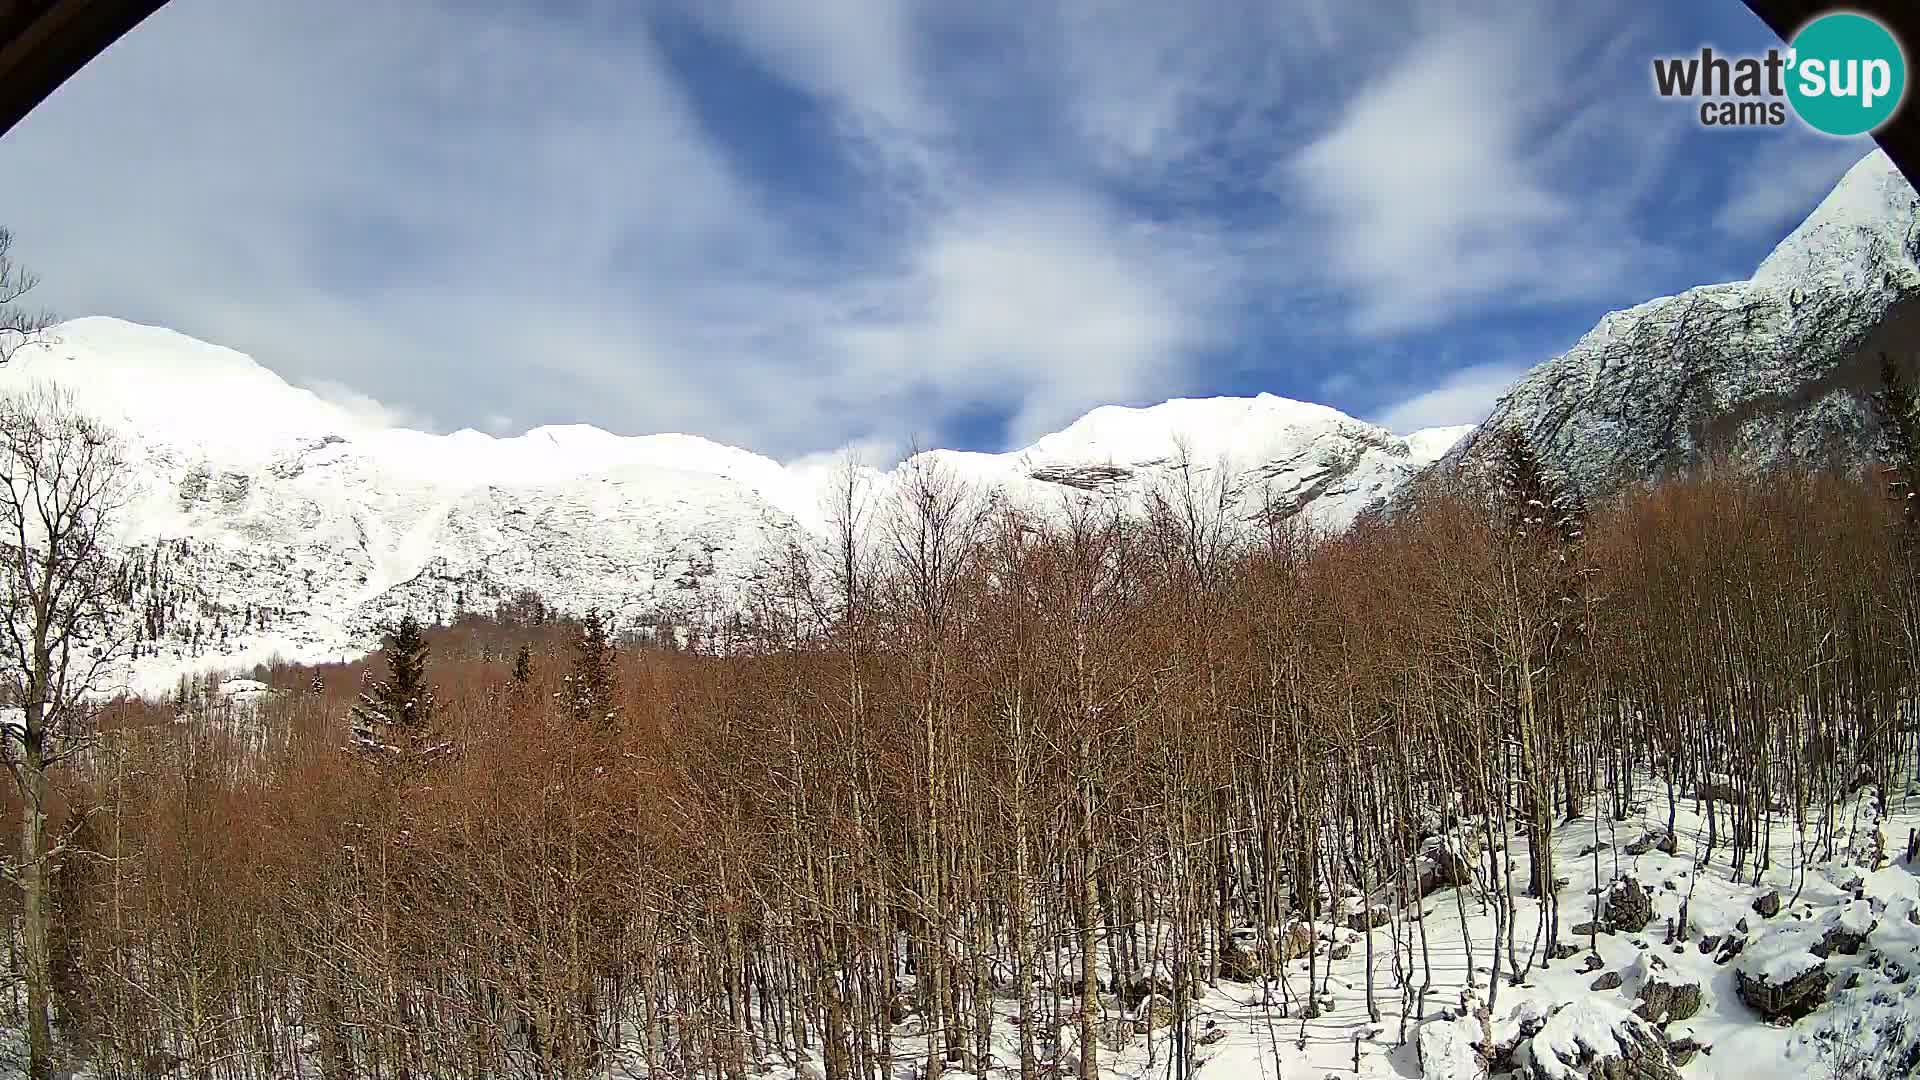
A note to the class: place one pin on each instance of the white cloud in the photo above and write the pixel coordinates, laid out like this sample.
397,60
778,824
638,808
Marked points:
1444,184
507,218
1040,301
856,53
1783,180
366,410
1466,396
464,215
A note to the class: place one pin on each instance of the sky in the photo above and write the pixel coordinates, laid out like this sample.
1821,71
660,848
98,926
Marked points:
797,227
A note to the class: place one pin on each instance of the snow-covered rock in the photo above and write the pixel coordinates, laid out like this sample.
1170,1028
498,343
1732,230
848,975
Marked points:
1775,368
1591,1039
1779,975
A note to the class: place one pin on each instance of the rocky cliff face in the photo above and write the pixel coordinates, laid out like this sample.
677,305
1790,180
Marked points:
1766,371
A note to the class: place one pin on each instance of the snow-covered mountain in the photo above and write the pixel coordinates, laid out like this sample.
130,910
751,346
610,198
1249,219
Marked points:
1769,370
268,520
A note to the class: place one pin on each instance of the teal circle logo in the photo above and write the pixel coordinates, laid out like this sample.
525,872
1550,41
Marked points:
1846,74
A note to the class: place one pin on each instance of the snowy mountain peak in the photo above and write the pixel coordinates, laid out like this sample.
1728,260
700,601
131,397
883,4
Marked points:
1243,433
289,523
1771,370
1848,235
177,389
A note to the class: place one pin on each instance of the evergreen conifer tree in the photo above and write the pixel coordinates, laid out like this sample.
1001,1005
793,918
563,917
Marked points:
590,685
395,715
1541,509
523,665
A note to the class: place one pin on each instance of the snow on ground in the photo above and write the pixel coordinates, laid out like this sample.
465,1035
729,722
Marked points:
1555,1020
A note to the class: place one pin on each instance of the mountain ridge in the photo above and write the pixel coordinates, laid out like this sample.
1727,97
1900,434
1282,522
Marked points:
273,520
1772,370
289,524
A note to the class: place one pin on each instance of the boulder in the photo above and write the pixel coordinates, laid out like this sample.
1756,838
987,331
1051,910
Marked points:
1239,962
1594,1040
1684,1050
1610,981
1769,905
1442,864
1666,999
1296,942
1362,921
1659,840
1788,998
1629,906
1844,930
1293,943
1780,977
1156,1013
1143,986
1506,1036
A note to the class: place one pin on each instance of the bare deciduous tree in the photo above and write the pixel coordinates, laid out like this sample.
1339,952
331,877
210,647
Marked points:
60,487
18,325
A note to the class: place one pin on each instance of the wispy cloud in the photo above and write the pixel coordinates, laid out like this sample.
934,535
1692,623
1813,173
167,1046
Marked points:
1466,396
1780,180
792,227
1442,185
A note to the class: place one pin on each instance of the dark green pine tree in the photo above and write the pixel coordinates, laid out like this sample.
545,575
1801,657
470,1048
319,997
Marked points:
523,665
395,716
1899,417
1540,509
590,685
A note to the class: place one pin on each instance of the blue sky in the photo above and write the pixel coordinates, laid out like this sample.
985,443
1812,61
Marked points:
798,226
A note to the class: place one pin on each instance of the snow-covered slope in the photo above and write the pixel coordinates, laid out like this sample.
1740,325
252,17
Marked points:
1768,370
269,520
1271,454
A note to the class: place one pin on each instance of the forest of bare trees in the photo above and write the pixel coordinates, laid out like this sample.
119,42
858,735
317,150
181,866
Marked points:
978,768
